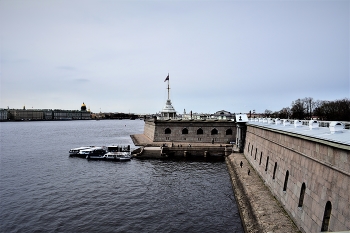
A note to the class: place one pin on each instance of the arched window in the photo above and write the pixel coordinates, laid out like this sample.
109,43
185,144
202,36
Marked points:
229,132
184,131
302,193
274,171
286,181
248,146
260,158
199,131
256,151
167,131
267,163
214,131
326,216
251,151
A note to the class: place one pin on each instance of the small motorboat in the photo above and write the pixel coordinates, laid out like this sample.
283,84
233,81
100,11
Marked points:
111,153
114,148
75,151
92,153
117,156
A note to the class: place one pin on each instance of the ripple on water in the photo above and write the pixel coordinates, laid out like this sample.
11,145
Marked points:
44,190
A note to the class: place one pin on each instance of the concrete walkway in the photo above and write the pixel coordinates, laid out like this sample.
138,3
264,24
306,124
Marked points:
260,211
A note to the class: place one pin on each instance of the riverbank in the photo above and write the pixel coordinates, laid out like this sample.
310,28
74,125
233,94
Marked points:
259,210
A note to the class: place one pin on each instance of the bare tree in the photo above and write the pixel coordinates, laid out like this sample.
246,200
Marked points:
309,104
285,113
298,109
267,113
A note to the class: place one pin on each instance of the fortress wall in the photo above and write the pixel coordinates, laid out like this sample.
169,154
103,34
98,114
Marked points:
149,129
323,167
177,127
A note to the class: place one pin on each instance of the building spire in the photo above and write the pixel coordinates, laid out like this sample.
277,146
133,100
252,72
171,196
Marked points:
168,110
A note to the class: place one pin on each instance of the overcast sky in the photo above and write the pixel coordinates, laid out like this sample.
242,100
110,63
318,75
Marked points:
221,55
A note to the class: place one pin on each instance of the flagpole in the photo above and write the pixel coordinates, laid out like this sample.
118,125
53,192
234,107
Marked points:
168,88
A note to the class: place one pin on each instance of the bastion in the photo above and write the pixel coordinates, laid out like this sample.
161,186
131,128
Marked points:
185,138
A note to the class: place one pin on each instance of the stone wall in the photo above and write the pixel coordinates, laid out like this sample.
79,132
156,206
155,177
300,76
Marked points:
149,129
291,163
191,131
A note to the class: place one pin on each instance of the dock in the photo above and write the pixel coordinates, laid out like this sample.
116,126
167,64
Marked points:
162,150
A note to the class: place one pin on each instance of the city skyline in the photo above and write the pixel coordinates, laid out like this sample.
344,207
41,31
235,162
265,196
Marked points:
220,55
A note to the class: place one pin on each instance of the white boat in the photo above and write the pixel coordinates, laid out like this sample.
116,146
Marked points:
75,151
92,153
114,148
112,153
117,156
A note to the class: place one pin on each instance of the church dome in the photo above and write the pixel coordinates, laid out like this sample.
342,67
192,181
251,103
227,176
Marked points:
83,107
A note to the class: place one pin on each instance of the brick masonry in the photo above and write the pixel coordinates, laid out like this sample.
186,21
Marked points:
323,167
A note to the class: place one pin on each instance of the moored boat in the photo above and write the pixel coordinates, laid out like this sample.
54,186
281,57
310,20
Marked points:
117,156
93,153
114,148
112,153
75,151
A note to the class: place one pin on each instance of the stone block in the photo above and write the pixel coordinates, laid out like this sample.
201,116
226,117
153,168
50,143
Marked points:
323,193
315,226
344,193
341,219
336,225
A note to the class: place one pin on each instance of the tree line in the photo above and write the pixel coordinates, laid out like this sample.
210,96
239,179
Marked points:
308,108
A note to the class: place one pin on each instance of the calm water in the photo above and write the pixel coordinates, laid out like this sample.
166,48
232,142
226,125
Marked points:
42,189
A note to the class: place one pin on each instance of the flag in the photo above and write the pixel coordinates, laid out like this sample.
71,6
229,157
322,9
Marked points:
167,78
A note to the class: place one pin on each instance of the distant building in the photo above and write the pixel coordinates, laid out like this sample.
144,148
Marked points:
45,114
83,114
222,115
48,114
25,114
3,114
59,114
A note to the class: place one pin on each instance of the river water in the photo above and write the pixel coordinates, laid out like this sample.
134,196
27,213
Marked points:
42,189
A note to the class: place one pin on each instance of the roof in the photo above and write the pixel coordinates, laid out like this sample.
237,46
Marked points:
324,133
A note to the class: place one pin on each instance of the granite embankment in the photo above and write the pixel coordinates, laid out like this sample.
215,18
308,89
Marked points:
260,211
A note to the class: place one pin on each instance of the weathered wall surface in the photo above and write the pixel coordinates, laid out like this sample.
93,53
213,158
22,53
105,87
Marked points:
149,129
320,167
221,131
